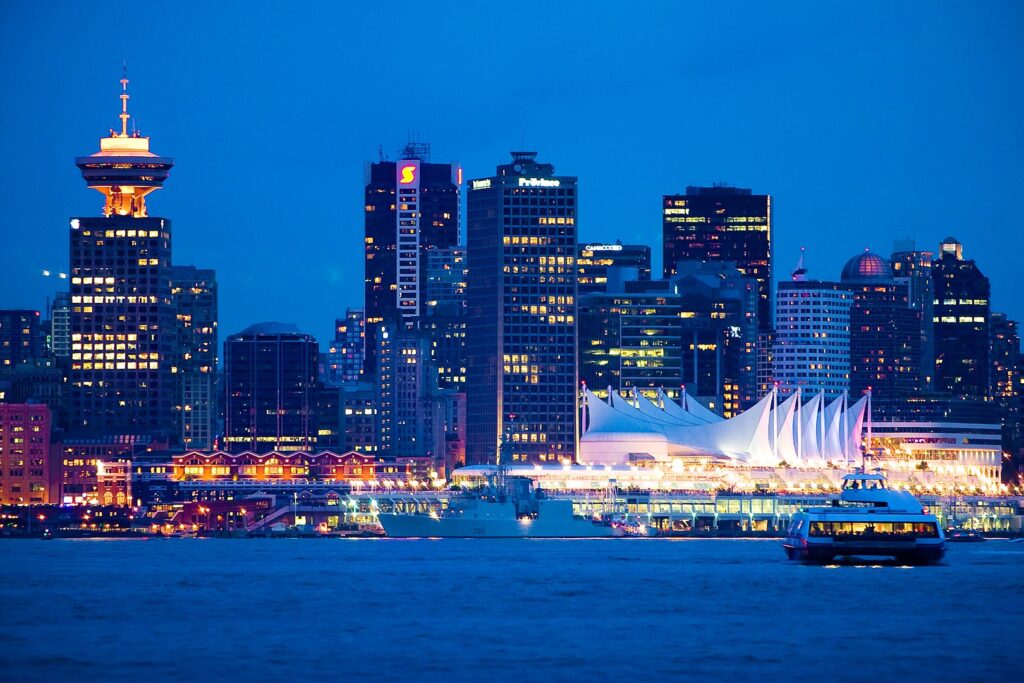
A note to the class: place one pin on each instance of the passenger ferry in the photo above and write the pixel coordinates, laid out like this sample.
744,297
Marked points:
868,520
506,508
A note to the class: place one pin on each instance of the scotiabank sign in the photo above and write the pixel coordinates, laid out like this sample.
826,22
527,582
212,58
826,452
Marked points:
407,173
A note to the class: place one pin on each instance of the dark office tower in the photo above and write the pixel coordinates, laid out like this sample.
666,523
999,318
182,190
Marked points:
412,207
1006,379
445,321
915,269
194,295
594,260
961,320
21,340
270,372
885,334
630,339
122,318
722,224
60,325
403,383
719,330
347,352
521,338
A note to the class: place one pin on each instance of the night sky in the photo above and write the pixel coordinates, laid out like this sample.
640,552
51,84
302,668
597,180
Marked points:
867,123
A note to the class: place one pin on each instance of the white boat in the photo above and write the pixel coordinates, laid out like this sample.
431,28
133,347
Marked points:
868,520
507,508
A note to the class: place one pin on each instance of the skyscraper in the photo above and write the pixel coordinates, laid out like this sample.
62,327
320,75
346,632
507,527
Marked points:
961,320
347,352
719,331
411,207
60,325
594,260
811,349
885,333
722,224
630,339
521,337
1006,380
445,322
914,267
122,318
270,373
194,295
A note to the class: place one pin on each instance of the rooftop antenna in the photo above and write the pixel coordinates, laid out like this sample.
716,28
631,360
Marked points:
124,99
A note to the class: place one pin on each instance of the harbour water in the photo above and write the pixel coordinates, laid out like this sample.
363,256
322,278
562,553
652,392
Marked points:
495,610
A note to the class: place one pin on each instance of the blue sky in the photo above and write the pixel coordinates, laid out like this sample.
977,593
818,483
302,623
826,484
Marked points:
866,122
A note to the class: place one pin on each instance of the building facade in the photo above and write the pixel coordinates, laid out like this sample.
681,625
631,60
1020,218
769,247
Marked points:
347,353
811,350
885,333
722,224
270,379
194,295
521,336
27,475
593,261
961,321
914,268
21,339
411,207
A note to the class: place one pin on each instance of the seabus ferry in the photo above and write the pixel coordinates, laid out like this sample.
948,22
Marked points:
869,520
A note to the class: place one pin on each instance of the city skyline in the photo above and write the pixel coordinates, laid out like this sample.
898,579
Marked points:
862,137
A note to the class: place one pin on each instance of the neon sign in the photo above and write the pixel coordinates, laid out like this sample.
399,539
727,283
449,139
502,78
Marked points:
407,174
538,182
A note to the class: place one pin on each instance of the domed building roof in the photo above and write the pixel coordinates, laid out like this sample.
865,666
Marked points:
866,266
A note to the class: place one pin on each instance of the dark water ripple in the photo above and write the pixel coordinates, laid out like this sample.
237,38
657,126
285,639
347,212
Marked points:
389,610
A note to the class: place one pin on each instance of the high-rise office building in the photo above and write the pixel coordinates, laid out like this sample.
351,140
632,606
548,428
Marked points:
194,295
811,349
914,267
719,330
444,324
722,224
630,339
270,380
521,337
885,333
404,379
411,207
122,318
961,321
60,325
594,260
21,340
1007,379
347,353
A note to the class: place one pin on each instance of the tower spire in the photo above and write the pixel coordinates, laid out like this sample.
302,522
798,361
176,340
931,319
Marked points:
124,99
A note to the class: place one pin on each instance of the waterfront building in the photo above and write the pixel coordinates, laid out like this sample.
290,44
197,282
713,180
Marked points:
83,460
811,349
347,353
60,325
968,451
521,336
270,375
411,207
630,339
719,331
885,333
122,318
722,223
26,471
194,295
594,259
914,268
961,322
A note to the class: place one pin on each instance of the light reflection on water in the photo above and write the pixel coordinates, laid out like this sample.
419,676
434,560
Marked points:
396,610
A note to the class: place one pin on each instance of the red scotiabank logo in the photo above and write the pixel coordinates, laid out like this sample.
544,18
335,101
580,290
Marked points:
408,174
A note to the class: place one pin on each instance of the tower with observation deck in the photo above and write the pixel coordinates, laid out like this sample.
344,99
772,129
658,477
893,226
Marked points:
122,315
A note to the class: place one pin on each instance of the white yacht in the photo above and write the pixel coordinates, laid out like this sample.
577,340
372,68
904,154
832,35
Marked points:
868,520
506,508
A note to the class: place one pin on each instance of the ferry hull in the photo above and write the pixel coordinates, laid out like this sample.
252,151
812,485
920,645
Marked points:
823,553
424,526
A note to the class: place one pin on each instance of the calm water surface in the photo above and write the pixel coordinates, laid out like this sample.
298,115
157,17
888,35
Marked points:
495,610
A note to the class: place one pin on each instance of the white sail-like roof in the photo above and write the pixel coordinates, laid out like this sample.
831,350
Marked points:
854,428
810,432
785,419
832,449
697,409
677,412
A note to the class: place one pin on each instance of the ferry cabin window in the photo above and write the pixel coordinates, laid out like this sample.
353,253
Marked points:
904,529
